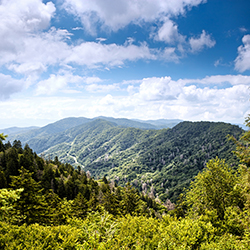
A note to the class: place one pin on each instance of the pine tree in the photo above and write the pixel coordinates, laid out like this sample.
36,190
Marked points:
130,201
31,207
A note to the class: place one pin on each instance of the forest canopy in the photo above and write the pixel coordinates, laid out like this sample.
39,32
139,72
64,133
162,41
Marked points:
46,204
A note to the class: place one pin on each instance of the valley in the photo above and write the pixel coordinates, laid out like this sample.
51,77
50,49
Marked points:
158,162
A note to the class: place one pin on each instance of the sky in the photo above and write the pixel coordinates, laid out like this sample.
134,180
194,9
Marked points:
136,59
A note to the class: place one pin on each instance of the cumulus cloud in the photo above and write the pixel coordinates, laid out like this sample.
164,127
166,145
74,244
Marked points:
204,40
115,14
9,86
40,51
19,18
92,54
242,62
169,33
154,98
153,89
56,83
29,47
182,99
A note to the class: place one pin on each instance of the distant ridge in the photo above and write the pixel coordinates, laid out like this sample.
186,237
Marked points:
30,133
15,130
162,160
161,123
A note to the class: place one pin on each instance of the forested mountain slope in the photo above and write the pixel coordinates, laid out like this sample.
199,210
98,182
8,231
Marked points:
45,204
50,190
33,135
158,162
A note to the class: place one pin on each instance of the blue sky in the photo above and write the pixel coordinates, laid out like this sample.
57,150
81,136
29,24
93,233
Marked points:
144,59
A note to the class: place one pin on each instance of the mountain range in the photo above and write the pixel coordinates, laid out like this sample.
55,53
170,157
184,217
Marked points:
159,157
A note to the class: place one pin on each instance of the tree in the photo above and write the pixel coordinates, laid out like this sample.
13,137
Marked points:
12,164
215,188
7,199
18,145
3,181
31,207
3,137
130,201
242,145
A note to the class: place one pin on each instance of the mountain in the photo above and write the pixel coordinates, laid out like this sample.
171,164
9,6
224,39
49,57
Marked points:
161,123
47,130
129,123
157,161
17,130
33,135
243,126
160,162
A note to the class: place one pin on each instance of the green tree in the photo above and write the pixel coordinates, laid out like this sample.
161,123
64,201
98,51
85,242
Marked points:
130,201
242,145
31,207
7,199
215,188
3,181
12,164
3,137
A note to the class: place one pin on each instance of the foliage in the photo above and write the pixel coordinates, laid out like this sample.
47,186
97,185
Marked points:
53,192
46,204
215,188
242,146
3,137
7,199
163,160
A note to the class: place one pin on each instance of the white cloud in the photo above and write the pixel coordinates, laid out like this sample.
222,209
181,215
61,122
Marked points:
205,40
107,100
243,29
242,62
169,33
163,97
9,86
116,14
154,98
219,79
57,83
29,49
92,54
153,89
101,88
93,79
19,18
34,53
100,39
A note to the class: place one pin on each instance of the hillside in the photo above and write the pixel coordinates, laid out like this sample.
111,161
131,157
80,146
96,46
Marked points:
45,204
158,162
33,135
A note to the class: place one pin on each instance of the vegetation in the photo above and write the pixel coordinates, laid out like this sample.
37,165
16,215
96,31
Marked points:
159,163
45,204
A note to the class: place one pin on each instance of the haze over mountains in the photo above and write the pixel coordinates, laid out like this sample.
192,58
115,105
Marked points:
24,134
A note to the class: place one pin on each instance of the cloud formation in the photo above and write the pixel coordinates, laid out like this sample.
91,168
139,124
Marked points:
242,62
204,40
19,19
56,83
168,33
114,15
9,86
